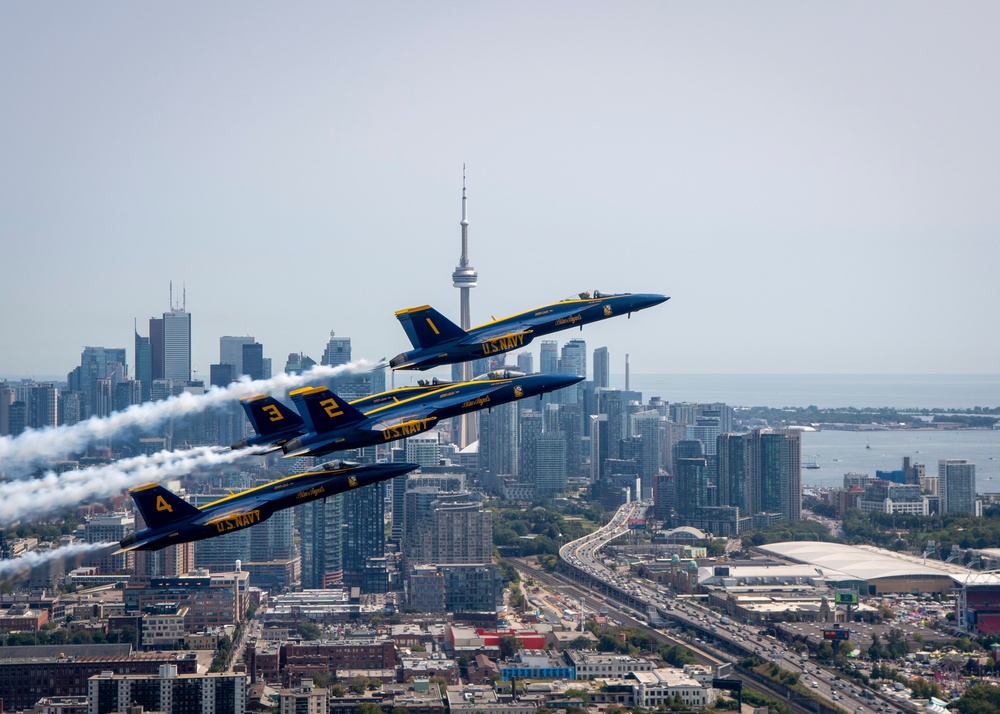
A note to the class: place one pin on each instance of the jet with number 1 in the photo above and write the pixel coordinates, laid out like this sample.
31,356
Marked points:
438,341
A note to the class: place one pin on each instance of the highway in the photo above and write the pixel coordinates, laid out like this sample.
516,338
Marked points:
718,638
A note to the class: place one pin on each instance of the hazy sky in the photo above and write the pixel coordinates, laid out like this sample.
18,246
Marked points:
815,185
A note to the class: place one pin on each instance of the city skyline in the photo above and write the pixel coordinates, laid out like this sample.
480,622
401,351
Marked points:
301,172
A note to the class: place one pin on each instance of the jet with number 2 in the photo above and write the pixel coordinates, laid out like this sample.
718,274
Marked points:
438,341
325,422
171,520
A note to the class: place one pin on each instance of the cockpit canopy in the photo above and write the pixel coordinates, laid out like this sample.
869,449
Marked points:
588,295
498,374
338,464
432,382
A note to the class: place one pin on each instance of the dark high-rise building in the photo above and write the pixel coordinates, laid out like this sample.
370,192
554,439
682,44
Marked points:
780,475
322,542
364,532
686,449
253,360
602,368
221,375
143,372
691,485
525,362
156,350
737,456
570,419
43,409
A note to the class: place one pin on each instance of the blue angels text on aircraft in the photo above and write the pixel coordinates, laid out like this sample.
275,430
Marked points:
330,423
437,341
170,519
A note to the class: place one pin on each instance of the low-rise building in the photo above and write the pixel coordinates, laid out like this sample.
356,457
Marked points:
536,664
304,699
599,665
658,688
483,700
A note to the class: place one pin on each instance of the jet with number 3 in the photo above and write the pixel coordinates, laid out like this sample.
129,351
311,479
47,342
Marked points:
323,422
438,341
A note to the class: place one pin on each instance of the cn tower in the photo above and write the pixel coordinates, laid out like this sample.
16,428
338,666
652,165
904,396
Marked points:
464,278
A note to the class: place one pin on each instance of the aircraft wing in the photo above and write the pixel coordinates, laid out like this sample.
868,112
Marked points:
237,509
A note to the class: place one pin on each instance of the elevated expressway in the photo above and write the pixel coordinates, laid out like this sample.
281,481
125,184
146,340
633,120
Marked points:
723,641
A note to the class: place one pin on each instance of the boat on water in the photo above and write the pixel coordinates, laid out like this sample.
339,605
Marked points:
812,463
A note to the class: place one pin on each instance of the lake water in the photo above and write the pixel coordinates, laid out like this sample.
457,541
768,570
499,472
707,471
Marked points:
949,391
840,452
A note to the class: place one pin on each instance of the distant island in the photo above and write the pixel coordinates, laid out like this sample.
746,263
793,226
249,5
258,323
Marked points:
868,418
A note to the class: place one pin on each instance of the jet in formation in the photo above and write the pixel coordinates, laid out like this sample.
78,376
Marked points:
438,341
323,422
171,520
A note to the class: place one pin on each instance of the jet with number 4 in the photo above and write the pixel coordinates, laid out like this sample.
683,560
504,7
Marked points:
171,520
438,341
331,423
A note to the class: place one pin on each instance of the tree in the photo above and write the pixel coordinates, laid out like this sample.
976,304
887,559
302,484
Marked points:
369,708
980,699
310,631
581,694
509,645
359,684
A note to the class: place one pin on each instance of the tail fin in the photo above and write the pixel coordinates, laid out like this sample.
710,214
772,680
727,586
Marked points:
323,410
159,507
271,419
427,327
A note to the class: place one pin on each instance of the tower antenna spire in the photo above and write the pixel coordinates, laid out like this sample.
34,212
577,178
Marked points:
171,296
464,278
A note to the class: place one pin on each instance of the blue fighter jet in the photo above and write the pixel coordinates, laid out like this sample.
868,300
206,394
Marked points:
171,520
438,341
331,423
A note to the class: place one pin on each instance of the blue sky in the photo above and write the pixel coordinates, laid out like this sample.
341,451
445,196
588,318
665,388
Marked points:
814,185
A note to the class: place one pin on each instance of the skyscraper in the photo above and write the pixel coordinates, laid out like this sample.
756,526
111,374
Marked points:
323,542
231,352
43,409
464,278
177,345
253,360
337,352
691,486
364,532
143,372
548,362
957,486
780,472
602,368
573,359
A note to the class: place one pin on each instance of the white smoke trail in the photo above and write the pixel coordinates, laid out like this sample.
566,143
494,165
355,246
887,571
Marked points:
54,492
20,453
34,558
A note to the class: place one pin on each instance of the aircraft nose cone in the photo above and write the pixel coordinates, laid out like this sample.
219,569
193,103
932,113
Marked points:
649,300
559,381
394,470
